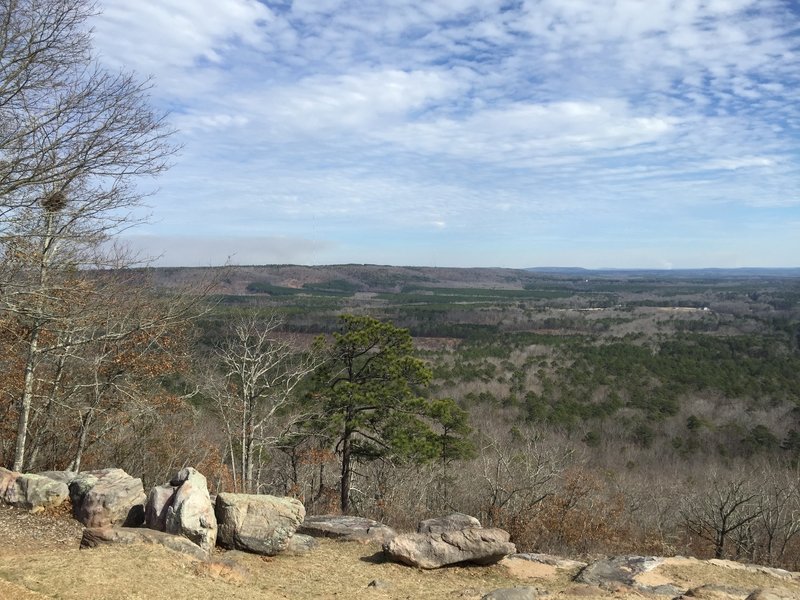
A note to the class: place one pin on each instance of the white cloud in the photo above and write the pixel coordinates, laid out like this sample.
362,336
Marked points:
743,162
466,115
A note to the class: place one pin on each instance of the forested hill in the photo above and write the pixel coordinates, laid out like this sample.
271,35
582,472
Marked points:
383,278
345,278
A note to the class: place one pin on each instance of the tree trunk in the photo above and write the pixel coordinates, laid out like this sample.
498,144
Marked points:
26,400
86,422
347,474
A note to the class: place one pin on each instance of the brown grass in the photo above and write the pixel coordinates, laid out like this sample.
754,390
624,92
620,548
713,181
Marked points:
48,565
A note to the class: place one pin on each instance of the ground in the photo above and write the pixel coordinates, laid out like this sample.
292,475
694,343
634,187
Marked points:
39,558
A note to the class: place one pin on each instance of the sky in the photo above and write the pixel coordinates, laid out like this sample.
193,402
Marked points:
508,133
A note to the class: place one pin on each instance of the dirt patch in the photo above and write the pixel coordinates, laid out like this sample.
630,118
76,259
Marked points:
23,531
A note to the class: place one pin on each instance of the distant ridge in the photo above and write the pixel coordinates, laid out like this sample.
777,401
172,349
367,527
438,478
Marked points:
708,272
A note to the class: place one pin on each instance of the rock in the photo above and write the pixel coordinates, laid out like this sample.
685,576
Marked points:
300,544
515,593
434,550
583,590
714,592
108,497
257,523
190,512
348,529
95,536
31,491
453,522
732,564
379,584
155,510
8,485
548,559
612,572
770,594
65,477
79,487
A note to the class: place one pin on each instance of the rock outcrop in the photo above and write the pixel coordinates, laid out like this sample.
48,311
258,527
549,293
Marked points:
257,523
434,550
453,522
108,497
347,529
31,491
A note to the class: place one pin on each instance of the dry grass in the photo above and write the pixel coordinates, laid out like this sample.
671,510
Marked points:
49,565
333,570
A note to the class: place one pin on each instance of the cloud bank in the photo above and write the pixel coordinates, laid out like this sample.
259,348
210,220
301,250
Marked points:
487,132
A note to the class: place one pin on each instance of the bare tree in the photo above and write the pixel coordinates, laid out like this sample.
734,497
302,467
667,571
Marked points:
518,472
73,140
726,504
261,368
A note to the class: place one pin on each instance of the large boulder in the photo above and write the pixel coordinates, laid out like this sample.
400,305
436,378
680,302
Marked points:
434,550
257,523
108,497
155,510
30,491
190,513
96,536
66,477
347,529
454,522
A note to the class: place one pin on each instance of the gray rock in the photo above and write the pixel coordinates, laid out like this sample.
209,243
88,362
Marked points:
31,491
65,477
617,570
95,536
434,550
515,593
348,529
79,487
190,513
108,497
453,522
379,584
548,559
300,544
159,500
257,523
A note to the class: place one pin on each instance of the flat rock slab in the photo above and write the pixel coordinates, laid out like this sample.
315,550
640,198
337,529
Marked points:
434,550
771,571
95,536
548,559
610,573
347,529
515,593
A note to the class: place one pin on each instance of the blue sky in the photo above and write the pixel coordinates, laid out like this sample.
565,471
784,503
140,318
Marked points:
593,133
